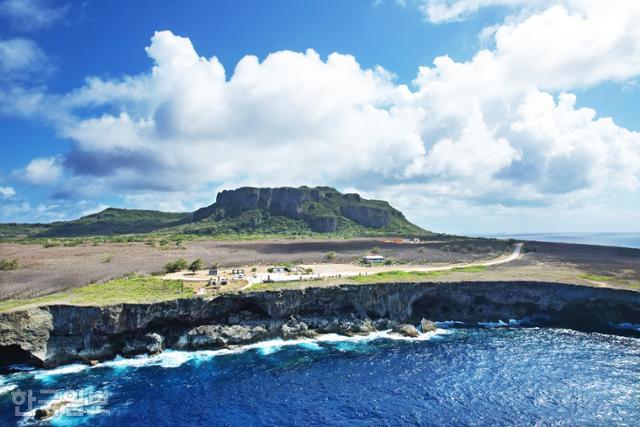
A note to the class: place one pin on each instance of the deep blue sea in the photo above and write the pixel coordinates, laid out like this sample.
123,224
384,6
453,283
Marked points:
628,240
465,376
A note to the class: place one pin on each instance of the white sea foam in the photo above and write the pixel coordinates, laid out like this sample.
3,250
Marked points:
629,326
448,323
6,388
503,324
21,368
50,374
177,358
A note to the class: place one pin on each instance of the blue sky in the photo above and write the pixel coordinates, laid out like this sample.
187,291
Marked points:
507,131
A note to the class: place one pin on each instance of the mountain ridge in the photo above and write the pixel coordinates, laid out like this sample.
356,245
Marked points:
246,210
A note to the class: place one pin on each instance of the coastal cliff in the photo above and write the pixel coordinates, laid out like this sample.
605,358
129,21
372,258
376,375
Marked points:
53,335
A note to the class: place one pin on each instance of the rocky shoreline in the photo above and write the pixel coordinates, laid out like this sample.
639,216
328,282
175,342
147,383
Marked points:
55,335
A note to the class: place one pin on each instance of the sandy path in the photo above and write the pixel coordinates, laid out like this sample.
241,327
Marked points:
348,270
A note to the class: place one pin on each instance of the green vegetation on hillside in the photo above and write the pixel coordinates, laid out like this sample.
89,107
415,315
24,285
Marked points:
110,221
115,221
134,289
259,222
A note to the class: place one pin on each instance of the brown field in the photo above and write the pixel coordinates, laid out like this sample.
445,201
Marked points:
46,270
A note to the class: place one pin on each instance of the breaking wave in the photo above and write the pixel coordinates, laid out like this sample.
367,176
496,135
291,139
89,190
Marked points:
628,326
177,358
508,324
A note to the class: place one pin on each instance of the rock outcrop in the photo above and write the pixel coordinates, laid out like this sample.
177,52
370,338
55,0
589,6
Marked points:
427,326
218,336
406,330
367,216
53,335
151,343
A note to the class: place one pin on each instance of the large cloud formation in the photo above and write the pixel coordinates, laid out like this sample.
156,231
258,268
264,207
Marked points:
500,129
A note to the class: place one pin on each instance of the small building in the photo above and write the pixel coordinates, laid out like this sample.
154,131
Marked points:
373,259
277,270
213,271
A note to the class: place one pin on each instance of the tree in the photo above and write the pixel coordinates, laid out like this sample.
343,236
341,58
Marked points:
196,265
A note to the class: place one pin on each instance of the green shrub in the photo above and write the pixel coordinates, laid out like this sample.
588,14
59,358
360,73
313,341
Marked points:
330,256
8,264
177,265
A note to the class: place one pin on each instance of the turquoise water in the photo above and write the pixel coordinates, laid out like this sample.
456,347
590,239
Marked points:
463,376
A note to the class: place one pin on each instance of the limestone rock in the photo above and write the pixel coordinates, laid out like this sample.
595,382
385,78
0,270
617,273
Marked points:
294,329
217,336
151,343
24,332
406,330
427,326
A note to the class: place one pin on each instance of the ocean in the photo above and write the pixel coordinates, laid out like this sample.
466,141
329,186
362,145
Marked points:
628,240
457,376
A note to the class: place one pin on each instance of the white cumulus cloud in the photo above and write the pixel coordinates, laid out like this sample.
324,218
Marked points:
42,171
7,192
292,118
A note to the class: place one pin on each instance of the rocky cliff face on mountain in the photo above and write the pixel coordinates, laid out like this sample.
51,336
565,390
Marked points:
323,208
53,335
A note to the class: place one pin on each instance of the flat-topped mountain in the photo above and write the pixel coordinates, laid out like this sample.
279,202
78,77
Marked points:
323,209
246,210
